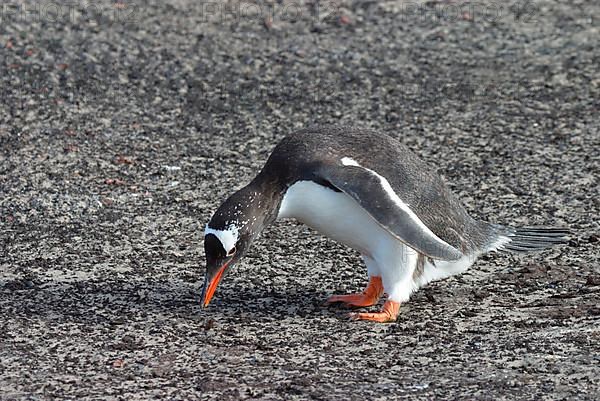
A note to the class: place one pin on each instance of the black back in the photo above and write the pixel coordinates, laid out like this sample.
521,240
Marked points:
301,156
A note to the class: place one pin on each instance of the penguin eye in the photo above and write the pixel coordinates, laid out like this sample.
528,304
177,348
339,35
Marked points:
232,251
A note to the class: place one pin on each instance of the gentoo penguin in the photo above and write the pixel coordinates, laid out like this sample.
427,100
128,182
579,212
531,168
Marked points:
368,191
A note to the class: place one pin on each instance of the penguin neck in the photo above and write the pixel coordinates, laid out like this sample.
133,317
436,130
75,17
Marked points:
262,198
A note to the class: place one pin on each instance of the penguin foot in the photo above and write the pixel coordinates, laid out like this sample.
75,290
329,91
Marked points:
370,296
389,313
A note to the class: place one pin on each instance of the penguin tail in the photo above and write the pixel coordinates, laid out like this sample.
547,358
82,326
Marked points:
528,239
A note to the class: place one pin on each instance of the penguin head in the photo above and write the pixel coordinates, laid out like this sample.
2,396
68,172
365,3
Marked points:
227,237
223,249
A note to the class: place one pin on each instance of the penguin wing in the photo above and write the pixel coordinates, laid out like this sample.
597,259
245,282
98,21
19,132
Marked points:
374,194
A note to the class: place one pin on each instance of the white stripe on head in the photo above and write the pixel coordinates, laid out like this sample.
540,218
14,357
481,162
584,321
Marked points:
385,184
228,237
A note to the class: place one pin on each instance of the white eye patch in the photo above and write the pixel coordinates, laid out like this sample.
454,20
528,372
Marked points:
228,237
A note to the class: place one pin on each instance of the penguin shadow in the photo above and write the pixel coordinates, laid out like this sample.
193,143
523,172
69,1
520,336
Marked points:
279,303
95,302
98,301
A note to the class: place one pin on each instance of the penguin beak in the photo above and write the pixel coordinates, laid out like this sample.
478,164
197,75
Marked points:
211,285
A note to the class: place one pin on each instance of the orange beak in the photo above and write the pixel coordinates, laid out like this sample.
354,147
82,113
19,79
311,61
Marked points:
212,286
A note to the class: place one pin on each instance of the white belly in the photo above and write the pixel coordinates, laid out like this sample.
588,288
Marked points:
342,219
335,215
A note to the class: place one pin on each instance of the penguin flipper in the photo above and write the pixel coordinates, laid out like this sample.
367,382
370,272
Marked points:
376,196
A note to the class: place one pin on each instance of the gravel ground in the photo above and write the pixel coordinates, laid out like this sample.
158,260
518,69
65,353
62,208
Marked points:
123,125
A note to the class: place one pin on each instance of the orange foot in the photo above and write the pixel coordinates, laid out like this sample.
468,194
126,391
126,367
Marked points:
388,313
370,296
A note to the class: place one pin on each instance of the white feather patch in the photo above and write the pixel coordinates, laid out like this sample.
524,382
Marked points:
346,161
228,237
385,184
499,243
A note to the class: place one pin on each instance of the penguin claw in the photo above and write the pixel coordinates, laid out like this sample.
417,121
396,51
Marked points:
352,300
369,297
389,313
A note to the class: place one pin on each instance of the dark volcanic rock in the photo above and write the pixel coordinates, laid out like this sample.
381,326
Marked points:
122,126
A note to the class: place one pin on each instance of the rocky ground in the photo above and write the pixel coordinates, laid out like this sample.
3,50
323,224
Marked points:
123,125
